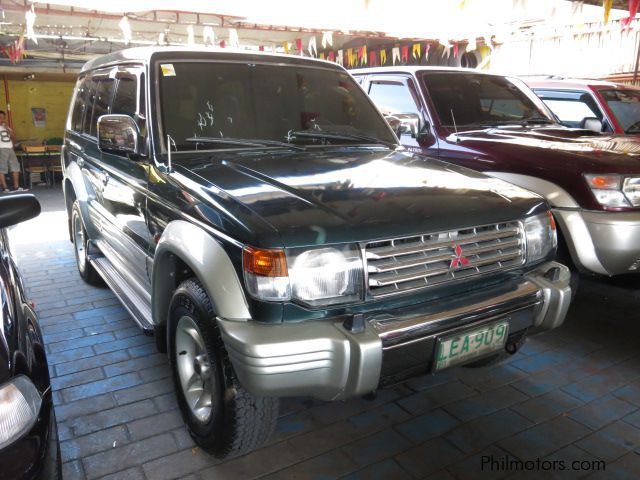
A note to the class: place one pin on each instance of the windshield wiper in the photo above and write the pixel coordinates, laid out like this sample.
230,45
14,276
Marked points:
243,142
333,135
533,120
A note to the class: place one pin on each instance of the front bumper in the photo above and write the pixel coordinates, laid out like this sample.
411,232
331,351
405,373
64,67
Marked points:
327,360
607,243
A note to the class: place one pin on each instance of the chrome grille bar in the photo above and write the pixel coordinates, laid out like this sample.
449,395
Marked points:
404,264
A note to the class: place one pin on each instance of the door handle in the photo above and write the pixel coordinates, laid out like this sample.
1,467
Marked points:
105,178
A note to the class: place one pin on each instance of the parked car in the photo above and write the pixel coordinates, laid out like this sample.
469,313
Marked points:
497,125
597,105
28,432
256,213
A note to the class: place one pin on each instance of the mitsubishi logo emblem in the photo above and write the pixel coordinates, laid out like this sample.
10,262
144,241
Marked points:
459,259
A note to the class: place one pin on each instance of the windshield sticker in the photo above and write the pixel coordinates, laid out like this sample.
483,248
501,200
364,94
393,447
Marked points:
168,70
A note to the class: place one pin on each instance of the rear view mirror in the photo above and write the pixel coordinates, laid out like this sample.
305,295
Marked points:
592,123
118,134
18,208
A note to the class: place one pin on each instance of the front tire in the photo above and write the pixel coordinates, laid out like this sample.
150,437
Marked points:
222,417
80,246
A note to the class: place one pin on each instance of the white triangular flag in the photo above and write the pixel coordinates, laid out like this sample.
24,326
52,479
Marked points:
234,41
313,50
327,39
30,17
340,57
395,54
208,35
191,37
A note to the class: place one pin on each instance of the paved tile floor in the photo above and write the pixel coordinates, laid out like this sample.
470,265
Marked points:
572,394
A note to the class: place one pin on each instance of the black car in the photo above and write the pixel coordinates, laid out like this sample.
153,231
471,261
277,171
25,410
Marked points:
256,214
28,433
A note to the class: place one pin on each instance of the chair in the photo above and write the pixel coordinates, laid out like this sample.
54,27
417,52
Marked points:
53,162
35,166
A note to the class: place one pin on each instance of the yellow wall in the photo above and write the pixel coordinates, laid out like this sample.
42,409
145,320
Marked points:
54,97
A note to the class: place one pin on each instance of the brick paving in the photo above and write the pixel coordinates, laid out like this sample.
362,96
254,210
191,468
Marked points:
571,394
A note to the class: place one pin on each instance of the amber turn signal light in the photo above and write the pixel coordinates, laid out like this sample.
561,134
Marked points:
552,221
265,263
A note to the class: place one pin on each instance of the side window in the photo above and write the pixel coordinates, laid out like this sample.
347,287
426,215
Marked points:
392,97
571,108
126,97
79,106
90,94
102,97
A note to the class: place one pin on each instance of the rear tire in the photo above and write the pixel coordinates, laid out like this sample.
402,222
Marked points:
222,417
80,244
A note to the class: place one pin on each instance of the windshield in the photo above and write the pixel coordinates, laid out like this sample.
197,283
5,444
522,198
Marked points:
205,102
469,99
625,105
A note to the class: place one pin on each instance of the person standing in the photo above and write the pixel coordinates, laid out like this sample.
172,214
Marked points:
8,160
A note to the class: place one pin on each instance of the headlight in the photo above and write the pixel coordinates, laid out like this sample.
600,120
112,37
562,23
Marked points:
631,189
326,275
19,408
318,276
614,190
540,233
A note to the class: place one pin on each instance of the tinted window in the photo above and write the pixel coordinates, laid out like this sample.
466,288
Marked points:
392,97
625,105
263,102
475,99
571,107
102,97
126,96
79,105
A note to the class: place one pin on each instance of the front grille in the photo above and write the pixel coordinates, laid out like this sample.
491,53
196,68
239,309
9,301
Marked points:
409,263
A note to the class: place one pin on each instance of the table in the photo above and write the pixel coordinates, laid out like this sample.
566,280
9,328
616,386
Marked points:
45,155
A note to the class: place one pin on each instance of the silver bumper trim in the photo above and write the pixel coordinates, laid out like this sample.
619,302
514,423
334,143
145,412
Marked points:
321,358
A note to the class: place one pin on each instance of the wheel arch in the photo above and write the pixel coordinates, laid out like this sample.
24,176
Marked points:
186,249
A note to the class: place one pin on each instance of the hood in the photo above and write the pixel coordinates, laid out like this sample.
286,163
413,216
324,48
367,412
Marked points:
337,195
573,151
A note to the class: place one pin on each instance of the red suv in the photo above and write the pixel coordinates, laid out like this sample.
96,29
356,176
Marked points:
597,105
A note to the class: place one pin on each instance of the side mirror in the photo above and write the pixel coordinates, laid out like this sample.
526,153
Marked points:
18,208
592,123
118,134
409,124
394,123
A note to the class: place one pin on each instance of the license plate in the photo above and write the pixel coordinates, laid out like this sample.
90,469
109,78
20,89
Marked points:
472,344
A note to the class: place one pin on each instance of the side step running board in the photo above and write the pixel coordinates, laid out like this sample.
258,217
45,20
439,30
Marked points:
139,309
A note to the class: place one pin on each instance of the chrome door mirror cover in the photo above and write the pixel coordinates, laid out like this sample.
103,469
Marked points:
118,134
592,123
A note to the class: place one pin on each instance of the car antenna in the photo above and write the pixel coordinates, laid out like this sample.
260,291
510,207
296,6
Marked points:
455,128
169,142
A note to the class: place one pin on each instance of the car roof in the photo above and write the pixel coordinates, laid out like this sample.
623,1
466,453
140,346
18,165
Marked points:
415,69
144,55
572,83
